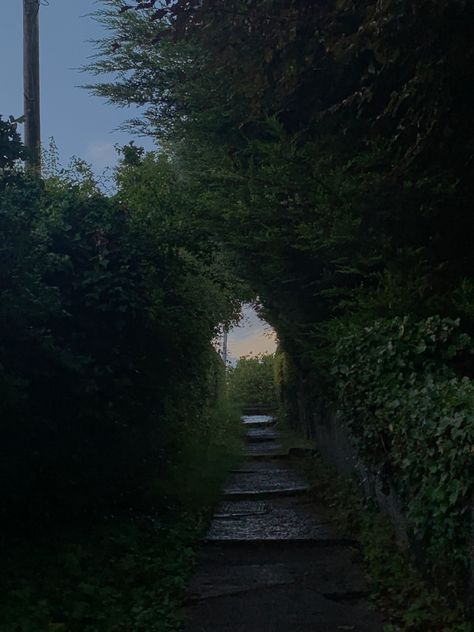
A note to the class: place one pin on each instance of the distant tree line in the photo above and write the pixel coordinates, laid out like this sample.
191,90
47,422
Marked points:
252,382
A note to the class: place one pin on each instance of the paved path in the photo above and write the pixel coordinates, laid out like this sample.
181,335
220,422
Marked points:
271,561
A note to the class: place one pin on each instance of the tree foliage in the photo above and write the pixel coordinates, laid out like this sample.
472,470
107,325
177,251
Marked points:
333,135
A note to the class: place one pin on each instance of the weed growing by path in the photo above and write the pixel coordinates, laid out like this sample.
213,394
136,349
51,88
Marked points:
126,575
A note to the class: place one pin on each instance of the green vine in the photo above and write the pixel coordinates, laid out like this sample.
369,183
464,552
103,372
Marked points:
412,419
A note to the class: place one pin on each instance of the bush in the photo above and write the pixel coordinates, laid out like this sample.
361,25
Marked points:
128,572
252,382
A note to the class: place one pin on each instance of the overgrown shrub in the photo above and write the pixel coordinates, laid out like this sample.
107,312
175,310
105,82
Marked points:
128,572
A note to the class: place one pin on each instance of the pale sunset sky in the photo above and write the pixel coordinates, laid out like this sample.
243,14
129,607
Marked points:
252,337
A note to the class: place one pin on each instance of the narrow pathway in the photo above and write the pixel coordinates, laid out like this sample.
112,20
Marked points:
271,561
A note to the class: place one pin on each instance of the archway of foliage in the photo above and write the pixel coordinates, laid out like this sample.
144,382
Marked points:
108,309
328,146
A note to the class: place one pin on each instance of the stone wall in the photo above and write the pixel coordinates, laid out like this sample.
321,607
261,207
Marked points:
308,413
326,427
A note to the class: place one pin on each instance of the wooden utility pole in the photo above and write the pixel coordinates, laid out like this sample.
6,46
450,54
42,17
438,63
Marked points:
31,81
224,347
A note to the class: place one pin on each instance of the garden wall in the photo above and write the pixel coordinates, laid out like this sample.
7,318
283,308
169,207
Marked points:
326,427
319,422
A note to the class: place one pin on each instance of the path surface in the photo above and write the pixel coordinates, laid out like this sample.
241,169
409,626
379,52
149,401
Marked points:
271,561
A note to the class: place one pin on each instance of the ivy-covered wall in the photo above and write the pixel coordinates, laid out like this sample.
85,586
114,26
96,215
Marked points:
396,413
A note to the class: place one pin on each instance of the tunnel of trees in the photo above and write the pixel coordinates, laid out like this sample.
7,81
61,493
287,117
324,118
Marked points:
328,148
316,155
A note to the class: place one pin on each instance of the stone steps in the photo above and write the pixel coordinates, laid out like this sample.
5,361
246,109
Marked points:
272,561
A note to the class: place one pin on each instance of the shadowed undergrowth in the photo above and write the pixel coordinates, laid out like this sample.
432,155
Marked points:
128,573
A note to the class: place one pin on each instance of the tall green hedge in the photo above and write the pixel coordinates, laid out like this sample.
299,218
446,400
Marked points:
107,312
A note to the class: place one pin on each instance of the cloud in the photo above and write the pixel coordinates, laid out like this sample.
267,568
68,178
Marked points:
101,154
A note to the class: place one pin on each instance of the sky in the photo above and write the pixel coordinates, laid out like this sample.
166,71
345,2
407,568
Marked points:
252,337
83,125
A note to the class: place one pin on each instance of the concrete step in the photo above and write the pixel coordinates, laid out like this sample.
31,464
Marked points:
335,583
257,421
286,607
274,481
266,494
261,437
269,519
251,455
